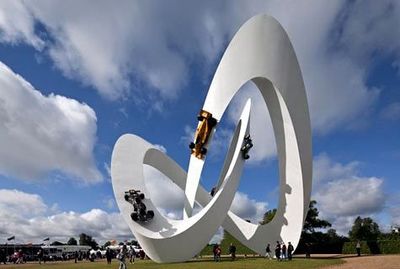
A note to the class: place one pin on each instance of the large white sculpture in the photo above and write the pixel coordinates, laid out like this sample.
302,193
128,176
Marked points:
261,52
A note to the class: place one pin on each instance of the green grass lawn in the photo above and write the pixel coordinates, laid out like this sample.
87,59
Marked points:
242,263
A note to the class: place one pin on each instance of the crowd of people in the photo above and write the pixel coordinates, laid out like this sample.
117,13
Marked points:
17,257
282,252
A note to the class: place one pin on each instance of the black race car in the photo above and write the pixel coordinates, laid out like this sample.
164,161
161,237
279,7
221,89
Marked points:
135,197
247,145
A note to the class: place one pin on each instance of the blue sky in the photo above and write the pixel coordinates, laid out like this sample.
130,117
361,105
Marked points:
76,76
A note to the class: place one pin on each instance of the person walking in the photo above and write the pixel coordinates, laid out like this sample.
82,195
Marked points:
108,255
268,252
3,256
232,251
132,254
283,250
308,250
122,256
278,251
358,248
290,250
40,255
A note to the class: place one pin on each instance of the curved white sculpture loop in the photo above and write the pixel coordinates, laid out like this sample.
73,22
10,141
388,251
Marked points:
260,51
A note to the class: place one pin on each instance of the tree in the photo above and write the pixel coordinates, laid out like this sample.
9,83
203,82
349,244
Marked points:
268,216
312,221
87,240
72,241
364,229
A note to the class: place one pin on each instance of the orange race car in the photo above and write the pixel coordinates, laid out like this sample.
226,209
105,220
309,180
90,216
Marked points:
203,132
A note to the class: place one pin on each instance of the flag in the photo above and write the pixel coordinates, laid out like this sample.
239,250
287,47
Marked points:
11,238
46,239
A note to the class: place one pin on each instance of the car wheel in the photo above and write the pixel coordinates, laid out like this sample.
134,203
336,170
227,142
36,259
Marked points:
200,118
212,122
141,196
203,151
150,214
126,197
142,212
192,145
134,216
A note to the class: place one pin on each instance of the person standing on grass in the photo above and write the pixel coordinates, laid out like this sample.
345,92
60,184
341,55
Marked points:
283,249
278,251
290,250
218,253
108,255
232,251
358,248
268,252
40,256
132,254
3,256
122,256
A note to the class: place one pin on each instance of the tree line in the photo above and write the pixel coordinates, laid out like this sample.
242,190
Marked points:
318,232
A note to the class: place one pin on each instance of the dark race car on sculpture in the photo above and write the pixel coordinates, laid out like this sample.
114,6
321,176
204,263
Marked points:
135,197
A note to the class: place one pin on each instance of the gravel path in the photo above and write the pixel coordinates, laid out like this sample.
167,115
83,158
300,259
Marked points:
369,262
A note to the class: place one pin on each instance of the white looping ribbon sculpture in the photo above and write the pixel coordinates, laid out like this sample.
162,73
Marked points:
261,52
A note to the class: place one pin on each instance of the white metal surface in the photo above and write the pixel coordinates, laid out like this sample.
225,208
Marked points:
261,52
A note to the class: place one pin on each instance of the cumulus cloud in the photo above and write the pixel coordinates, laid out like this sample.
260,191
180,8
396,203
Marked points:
342,194
352,196
21,30
156,44
376,34
60,130
26,216
106,44
247,208
325,169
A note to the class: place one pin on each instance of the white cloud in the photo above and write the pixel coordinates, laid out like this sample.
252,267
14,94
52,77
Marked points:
27,217
247,208
327,170
370,29
163,193
22,203
18,30
106,44
60,130
117,47
342,194
352,196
